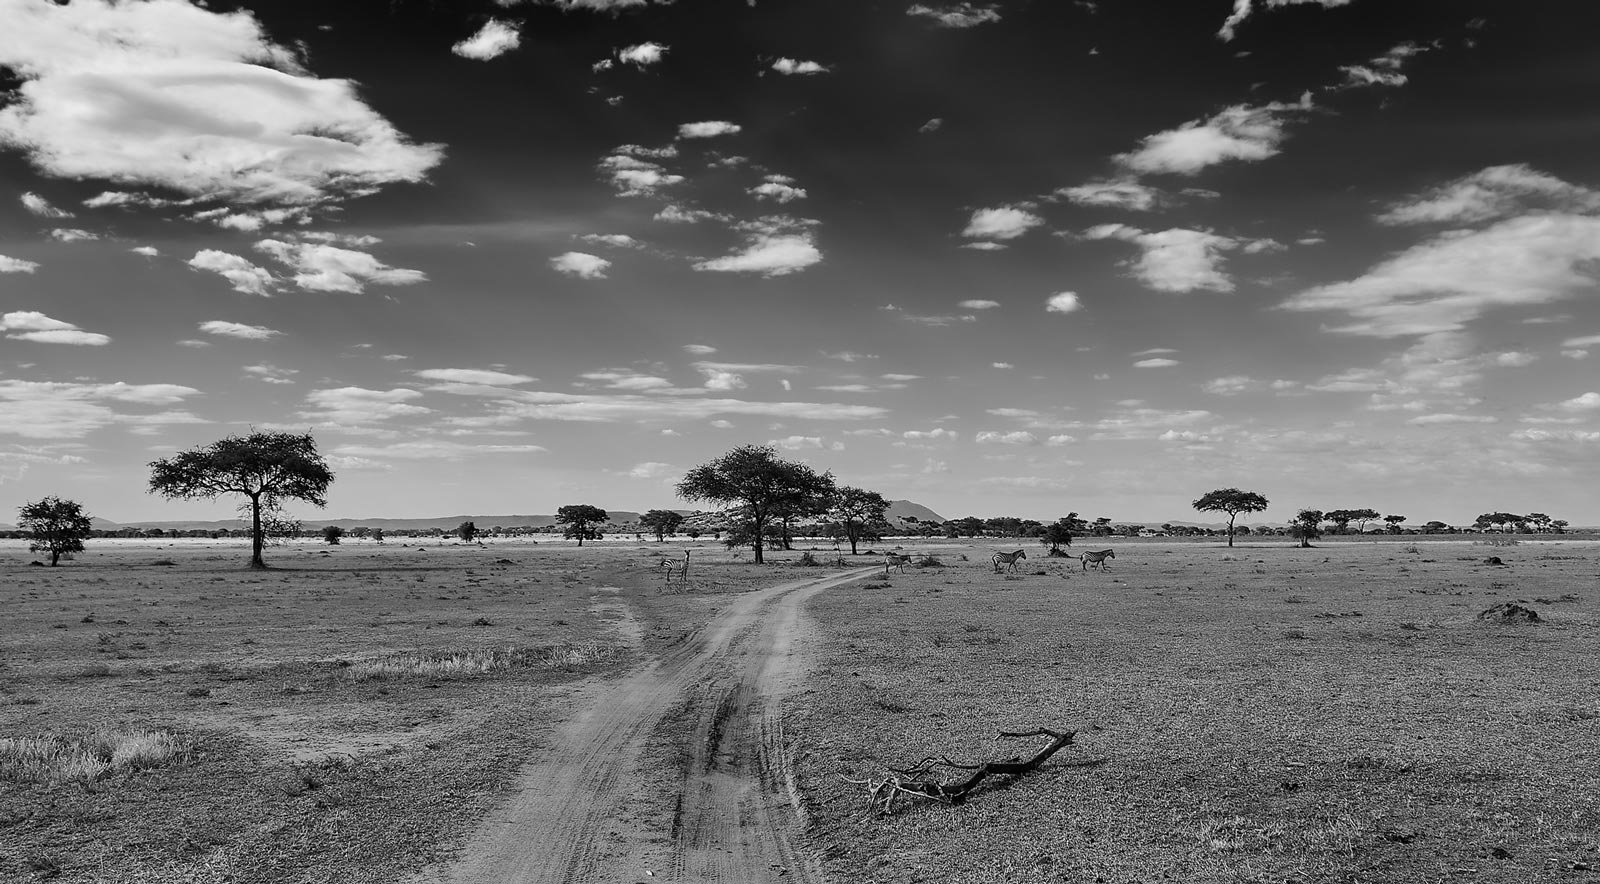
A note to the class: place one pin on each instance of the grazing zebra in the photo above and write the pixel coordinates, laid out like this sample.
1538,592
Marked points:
1008,559
896,560
1097,558
676,568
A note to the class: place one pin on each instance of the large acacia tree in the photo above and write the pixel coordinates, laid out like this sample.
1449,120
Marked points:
582,521
55,526
264,467
661,523
755,479
856,509
1231,501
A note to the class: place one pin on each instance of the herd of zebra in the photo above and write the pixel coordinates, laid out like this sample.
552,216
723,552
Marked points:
1007,559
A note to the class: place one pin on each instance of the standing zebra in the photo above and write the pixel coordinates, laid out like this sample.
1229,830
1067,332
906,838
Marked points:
1009,559
895,560
1097,558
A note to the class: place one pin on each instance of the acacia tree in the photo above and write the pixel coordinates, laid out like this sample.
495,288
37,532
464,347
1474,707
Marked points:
661,523
1394,523
1057,535
1307,527
266,467
581,519
55,526
856,509
467,531
754,478
1233,502
332,534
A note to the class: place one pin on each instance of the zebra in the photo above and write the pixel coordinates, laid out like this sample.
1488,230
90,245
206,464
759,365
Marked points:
894,560
1097,558
675,568
1008,558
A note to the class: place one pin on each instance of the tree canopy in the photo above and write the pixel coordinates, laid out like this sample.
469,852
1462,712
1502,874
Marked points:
1233,502
856,510
1307,526
756,479
582,520
1057,535
55,526
266,467
661,522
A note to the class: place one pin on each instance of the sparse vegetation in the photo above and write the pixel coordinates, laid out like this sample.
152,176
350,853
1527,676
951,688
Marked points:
582,522
1231,501
56,759
55,526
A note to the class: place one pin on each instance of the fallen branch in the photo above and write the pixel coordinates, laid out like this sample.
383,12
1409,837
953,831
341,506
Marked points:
919,779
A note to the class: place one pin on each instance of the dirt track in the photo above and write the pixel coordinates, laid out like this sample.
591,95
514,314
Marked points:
582,813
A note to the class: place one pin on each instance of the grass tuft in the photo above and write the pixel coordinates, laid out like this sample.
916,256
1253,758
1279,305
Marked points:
54,759
471,662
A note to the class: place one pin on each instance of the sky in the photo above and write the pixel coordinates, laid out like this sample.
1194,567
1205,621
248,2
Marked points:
1018,257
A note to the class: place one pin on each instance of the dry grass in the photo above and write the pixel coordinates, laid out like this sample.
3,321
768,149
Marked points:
471,662
56,759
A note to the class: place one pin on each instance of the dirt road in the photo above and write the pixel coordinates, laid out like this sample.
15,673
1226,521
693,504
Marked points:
593,808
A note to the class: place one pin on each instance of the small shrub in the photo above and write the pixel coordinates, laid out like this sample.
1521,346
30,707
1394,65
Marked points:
95,670
807,560
929,561
54,759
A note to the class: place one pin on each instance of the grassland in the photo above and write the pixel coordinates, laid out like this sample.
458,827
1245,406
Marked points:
1267,713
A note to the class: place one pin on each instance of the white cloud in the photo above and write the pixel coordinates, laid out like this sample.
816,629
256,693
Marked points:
627,379
796,443
147,251
245,276
171,94
1158,362
769,254
434,449
984,246
271,374
1493,193
1231,385
957,15
238,330
325,268
581,264
651,469
1059,440
1424,420
1383,70
1001,365
643,54
1005,222
1587,402
1120,193
1515,359
1062,302
931,126
1174,260
722,424
40,206
675,214
593,5
708,129
632,176
1452,279
1018,437
72,234
1239,132
495,38
1585,341
607,408
793,67
30,325
355,406
978,304
1243,8
936,321
779,189
473,376
50,410
615,240
937,434
17,265
699,349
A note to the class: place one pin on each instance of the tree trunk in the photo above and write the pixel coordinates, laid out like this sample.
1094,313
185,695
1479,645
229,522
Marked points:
761,540
854,537
55,556
1305,543
1230,530
256,540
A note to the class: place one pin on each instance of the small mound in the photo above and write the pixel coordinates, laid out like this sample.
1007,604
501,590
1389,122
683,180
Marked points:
1510,612
1060,554
929,562
1493,560
504,562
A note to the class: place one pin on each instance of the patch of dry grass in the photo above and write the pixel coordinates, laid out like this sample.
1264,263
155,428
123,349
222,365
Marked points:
472,662
58,759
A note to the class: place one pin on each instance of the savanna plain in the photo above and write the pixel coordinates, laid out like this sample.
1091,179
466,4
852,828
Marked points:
399,711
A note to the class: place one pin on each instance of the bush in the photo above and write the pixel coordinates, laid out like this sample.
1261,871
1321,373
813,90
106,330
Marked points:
332,534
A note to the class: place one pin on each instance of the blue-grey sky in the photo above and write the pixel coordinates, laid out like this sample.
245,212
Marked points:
1002,257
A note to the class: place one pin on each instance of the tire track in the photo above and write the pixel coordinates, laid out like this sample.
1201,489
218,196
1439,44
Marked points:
578,815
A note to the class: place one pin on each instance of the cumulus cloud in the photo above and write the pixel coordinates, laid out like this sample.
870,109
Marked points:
978,304
171,94
354,406
52,410
708,129
795,67
1062,302
1005,222
609,408
473,376
931,126
1494,193
699,349
1121,193
238,330
771,249
494,39
797,443
778,189
1231,385
675,214
72,234
1158,362
1243,8
937,434
30,325
147,251
1587,402
1174,260
1240,132
632,176
642,54
957,15
17,265
245,276
1018,437
615,240
40,206
581,264
627,379
325,268
1423,420
1448,281
1383,70
651,469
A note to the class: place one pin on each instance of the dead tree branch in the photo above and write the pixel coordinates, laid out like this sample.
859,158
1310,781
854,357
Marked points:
920,780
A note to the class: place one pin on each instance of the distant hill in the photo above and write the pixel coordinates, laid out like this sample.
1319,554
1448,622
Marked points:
900,509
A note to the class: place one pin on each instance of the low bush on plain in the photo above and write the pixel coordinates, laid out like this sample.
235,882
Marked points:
471,662
54,759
